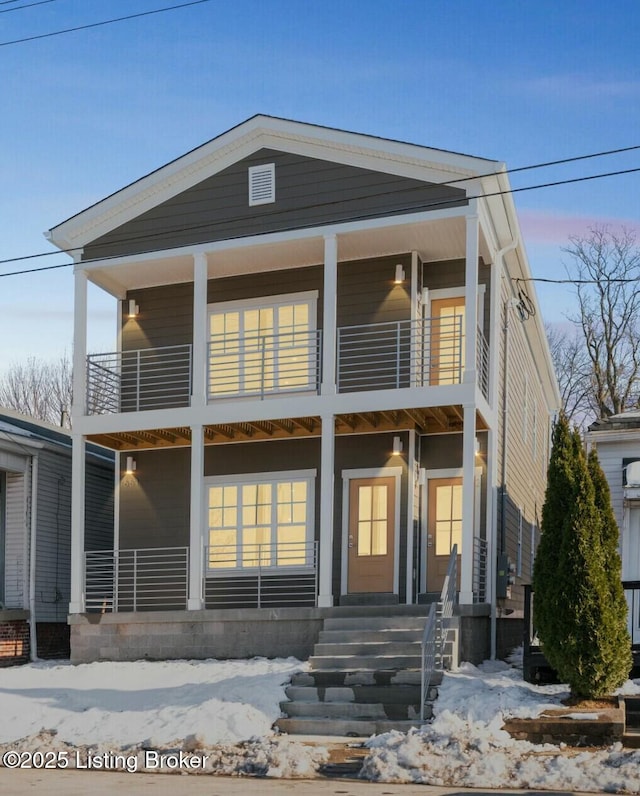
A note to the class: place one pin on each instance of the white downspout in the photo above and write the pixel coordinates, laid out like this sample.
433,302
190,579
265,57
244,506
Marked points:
494,547
33,638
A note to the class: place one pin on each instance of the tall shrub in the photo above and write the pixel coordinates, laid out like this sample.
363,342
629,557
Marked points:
578,613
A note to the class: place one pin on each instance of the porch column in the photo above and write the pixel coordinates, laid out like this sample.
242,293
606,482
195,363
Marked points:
468,497
327,479
329,315
196,540
471,296
200,335
492,531
78,461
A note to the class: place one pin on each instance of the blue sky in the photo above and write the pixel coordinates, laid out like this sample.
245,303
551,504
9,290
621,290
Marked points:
85,113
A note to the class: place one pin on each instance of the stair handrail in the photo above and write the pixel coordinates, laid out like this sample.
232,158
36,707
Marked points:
433,637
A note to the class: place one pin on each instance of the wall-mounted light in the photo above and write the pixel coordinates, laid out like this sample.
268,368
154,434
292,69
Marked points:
397,446
476,446
134,309
400,275
131,465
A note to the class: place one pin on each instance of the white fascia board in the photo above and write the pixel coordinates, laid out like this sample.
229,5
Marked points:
603,438
354,149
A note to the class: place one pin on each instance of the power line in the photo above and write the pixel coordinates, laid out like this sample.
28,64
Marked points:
99,24
29,5
425,206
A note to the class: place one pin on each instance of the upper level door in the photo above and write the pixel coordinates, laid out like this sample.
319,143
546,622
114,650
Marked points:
371,539
446,342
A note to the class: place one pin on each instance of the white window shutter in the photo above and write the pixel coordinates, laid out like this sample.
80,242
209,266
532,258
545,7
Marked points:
262,184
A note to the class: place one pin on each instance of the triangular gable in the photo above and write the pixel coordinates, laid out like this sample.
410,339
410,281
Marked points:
127,221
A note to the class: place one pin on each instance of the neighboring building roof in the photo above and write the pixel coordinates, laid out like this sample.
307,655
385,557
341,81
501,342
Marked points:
624,420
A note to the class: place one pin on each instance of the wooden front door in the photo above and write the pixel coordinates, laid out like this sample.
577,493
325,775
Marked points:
444,528
371,540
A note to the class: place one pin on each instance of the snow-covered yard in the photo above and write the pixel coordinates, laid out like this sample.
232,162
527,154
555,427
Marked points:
89,715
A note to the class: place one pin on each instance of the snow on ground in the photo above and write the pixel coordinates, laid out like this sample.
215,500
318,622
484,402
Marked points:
221,713
465,745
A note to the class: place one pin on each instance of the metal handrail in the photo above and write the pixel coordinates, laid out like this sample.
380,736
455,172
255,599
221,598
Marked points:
482,362
153,578
140,379
480,556
434,635
259,365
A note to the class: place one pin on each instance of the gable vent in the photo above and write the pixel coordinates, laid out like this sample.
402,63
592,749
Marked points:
262,184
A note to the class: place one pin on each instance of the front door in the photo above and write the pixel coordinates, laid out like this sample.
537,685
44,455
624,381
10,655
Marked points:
446,359
444,528
371,540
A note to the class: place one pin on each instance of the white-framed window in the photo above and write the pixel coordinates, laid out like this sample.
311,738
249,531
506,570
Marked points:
260,520
265,345
262,184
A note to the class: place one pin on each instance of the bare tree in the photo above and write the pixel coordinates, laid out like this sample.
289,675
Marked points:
39,389
608,274
573,371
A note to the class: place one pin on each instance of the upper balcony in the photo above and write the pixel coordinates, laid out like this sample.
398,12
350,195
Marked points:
381,356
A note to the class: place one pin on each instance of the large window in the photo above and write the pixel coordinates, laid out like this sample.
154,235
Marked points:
260,521
263,346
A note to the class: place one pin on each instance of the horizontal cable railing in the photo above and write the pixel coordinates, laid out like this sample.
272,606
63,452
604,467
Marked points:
144,579
479,570
482,363
258,365
385,356
134,381
632,595
261,575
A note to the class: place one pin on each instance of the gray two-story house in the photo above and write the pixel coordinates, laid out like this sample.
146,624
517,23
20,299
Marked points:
329,372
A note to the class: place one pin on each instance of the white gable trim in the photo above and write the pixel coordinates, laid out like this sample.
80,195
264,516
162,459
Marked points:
407,160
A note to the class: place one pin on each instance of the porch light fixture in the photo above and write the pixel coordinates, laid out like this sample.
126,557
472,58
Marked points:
134,309
476,446
400,275
131,465
397,446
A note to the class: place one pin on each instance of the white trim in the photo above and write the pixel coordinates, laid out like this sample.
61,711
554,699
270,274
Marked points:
375,472
263,477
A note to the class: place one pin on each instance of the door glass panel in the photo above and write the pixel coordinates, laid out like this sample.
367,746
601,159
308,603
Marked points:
372,520
447,341
448,515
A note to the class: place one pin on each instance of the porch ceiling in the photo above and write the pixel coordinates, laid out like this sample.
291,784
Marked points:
431,420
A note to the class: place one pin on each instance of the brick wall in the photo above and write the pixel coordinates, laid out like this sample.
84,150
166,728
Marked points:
14,642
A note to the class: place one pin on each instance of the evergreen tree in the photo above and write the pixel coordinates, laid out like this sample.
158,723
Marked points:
578,613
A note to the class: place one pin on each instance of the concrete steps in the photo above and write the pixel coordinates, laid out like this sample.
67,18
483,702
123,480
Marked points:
365,677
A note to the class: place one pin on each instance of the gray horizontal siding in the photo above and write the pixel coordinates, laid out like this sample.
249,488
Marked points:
309,192
16,554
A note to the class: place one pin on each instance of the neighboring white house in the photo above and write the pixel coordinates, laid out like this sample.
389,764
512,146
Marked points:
617,440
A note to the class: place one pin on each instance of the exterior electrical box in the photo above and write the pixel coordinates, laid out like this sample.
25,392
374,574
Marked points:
504,578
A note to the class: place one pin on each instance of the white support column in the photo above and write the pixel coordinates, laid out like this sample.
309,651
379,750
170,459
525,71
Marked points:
79,345
471,296
78,464
329,315
196,536
412,473
199,352
327,482
468,498
492,531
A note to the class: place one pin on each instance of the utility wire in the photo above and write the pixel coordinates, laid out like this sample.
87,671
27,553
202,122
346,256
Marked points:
441,203
426,206
29,5
99,24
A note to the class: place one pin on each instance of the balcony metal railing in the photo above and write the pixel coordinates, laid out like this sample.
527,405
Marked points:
261,575
482,363
632,594
145,579
386,356
479,570
134,381
261,365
